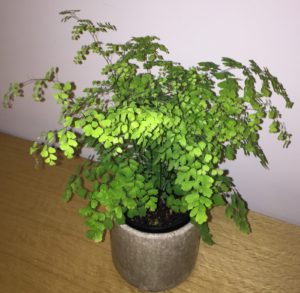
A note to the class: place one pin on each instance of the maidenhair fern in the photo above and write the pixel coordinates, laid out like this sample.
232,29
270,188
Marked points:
159,129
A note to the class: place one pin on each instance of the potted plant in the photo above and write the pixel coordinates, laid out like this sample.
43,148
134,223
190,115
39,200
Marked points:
160,132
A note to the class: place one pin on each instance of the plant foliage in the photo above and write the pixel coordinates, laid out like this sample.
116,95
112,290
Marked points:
159,129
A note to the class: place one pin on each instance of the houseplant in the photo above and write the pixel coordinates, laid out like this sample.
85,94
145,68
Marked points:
160,132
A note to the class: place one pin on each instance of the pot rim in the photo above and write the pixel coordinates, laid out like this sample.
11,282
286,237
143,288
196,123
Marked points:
150,235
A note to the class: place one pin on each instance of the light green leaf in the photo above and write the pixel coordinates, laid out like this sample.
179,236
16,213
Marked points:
94,204
44,152
33,149
131,117
124,128
105,123
51,150
202,145
207,158
193,212
53,157
182,141
50,136
119,150
193,197
72,142
134,125
71,135
201,217
88,129
97,132
118,212
57,86
67,86
107,144
187,185
207,191
63,96
197,151
206,201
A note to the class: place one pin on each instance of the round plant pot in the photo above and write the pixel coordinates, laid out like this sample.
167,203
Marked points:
154,261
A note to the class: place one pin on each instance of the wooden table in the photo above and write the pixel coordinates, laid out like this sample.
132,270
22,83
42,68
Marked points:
43,248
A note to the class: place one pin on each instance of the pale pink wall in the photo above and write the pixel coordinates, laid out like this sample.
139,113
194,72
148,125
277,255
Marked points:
33,39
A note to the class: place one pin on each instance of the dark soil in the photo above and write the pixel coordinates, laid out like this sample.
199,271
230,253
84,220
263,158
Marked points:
161,221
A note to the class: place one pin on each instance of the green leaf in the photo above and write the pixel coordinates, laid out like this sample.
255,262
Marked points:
152,191
207,158
232,63
218,200
72,142
88,129
182,141
184,168
206,180
67,196
119,150
95,124
96,235
97,132
193,212
63,96
230,153
108,223
202,145
124,128
206,201
53,157
81,192
33,149
107,144
44,152
205,235
50,136
127,171
70,135
151,204
274,127
245,227
205,168
105,123
192,197
118,212
206,66
102,138
130,203
86,211
51,150
206,191
197,151
201,217
94,204
68,86
57,86
131,117
134,125
187,185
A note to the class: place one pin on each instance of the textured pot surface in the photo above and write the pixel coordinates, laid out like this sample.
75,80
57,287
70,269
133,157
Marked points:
151,261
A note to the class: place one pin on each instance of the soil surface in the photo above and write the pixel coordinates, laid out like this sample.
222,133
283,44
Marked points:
160,221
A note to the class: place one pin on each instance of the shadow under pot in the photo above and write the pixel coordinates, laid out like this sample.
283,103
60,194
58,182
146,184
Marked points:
154,261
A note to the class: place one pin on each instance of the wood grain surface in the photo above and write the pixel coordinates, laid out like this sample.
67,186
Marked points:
43,248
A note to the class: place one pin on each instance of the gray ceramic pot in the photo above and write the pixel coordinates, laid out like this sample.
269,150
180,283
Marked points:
151,261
